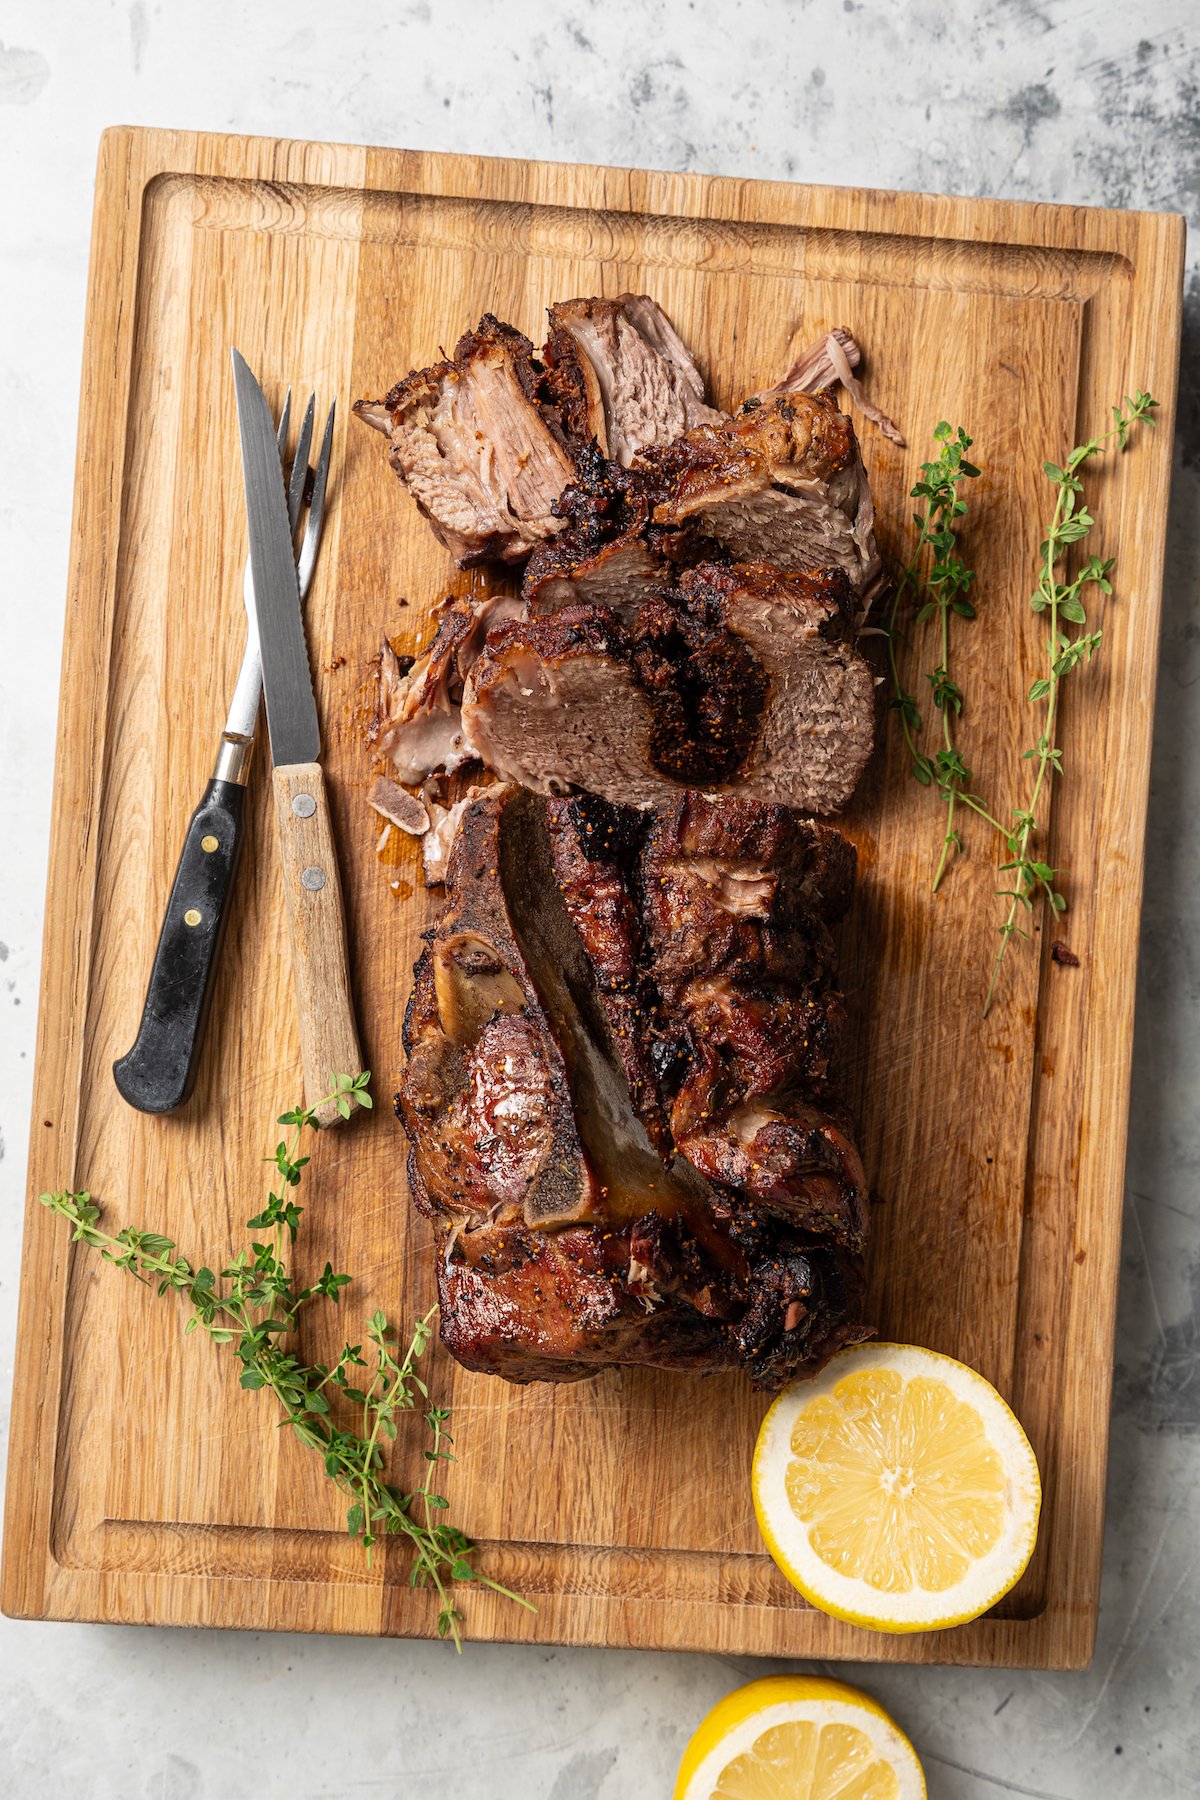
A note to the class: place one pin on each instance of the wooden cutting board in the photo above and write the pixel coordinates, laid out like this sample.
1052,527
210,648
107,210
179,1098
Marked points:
143,1486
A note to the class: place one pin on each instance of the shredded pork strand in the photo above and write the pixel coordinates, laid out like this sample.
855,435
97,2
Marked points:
839,358
828,359
813,369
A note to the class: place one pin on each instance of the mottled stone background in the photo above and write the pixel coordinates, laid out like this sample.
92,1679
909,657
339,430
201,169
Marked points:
1082,100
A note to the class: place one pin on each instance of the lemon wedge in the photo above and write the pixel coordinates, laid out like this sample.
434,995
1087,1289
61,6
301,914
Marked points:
896,1490
799,1737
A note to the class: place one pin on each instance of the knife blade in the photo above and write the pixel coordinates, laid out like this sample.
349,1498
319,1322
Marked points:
287,680
311,881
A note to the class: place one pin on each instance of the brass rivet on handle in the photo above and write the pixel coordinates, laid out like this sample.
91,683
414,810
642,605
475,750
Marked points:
210,843
192,916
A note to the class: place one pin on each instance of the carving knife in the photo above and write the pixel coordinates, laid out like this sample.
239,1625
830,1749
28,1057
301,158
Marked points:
312,886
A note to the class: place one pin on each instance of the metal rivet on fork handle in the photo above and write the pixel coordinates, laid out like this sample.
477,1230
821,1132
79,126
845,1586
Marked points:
312,878
304,806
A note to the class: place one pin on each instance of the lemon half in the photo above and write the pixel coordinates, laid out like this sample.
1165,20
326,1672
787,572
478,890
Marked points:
799,1737
897,1490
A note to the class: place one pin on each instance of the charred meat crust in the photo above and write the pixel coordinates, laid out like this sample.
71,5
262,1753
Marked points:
534,1306
805,1305
610,552
707,688
807,434
490,333
605,551
738,899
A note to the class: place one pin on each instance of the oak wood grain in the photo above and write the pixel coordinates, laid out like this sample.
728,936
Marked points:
143,1485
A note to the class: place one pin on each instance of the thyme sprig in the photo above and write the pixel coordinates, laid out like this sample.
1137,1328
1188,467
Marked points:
1063,601
937,572
254,1304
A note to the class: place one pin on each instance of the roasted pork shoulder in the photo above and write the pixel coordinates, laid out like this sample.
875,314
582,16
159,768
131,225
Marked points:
548,1068
621,1089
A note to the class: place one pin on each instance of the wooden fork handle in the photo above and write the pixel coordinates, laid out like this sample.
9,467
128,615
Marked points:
317,923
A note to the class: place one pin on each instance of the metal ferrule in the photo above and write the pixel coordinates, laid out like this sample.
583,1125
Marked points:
233,758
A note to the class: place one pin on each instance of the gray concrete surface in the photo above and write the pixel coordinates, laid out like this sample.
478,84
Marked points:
1063,100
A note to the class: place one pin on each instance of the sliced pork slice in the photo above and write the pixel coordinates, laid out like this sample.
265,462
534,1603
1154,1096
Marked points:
622,375
400,808
564,702
610,553
816,729
782,483
620,573
474,448
555,704
417,723
607,556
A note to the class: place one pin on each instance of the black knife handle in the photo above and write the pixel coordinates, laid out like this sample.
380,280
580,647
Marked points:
158,1074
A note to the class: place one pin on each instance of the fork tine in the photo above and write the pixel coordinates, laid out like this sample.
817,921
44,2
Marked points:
300,461
285,418
316,507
